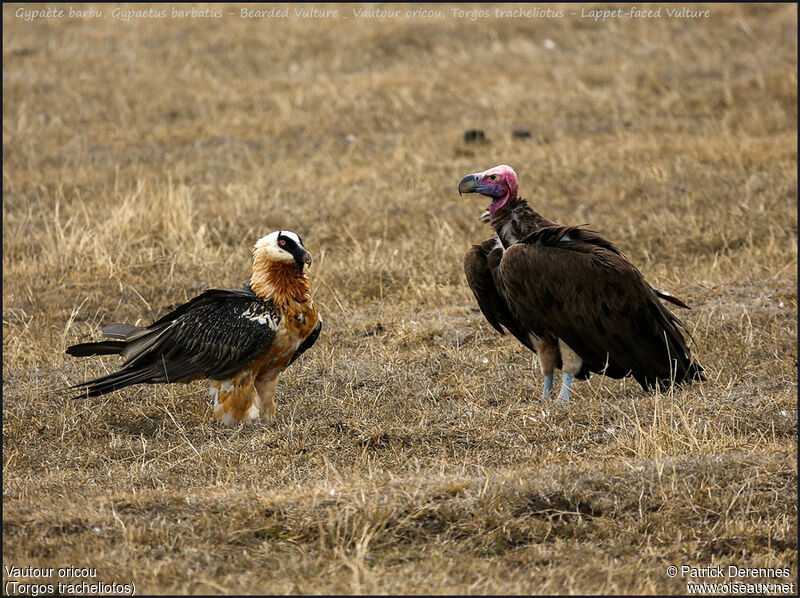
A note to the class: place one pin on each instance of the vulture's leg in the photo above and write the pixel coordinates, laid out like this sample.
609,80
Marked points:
566,384
265,393
548,386
548,360
571,365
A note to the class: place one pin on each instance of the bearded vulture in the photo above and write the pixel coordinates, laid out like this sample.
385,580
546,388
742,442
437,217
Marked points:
570,295
240,339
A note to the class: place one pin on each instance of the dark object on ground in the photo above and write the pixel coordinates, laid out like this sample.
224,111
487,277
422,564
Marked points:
475,136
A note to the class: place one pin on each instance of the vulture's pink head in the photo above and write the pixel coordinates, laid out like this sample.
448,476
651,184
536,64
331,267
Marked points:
499,183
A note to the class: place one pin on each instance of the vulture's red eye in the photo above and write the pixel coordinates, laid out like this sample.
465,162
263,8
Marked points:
282,243
493,177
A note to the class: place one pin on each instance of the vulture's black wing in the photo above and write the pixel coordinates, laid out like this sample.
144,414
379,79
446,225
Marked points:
577,286
213,335
481,264
308,343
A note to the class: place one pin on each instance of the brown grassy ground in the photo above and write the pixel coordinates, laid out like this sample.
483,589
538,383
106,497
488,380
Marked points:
410,452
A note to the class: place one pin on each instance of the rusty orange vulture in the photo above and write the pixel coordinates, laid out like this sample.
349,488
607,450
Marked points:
570,295
239,339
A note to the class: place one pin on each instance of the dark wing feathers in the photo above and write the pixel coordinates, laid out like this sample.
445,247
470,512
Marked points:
556,235
671,298
481,282
576,285
208,296
120,331
101,348
307,343
481,265
213,335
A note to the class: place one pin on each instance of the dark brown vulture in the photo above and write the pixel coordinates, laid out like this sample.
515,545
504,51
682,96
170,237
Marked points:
239,339
570,295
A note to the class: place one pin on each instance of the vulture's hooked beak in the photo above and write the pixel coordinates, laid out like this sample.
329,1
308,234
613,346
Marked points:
469,184
302,258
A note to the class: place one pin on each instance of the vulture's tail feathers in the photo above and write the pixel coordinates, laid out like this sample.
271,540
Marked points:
671,298
110,383
694,372
100,348
682,368
685,368
120,331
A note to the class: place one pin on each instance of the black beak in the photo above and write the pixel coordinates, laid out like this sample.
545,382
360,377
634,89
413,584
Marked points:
468,184
301,257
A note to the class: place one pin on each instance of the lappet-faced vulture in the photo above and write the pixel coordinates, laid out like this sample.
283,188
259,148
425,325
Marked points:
570,295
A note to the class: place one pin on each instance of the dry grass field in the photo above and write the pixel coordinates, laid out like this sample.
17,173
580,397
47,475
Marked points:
410,452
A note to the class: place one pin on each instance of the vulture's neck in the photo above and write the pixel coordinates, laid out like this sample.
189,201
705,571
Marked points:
281,281
515,221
